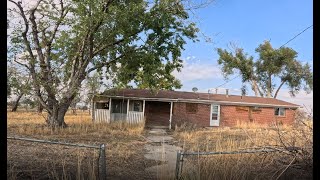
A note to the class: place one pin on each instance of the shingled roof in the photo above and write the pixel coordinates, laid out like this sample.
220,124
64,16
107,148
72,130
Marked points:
196,97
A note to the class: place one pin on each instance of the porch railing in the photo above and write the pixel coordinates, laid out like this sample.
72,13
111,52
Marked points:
135,117
103,115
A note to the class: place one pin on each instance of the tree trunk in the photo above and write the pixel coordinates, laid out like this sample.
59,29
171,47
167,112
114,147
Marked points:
15,105
40,108
269,87
276,94
56,119
256,89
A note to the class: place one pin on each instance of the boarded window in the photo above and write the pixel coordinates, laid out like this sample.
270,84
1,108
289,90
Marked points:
191,107
256,109
279,112
242,108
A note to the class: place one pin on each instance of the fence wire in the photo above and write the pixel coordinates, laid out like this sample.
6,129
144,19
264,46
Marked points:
41,159
244,164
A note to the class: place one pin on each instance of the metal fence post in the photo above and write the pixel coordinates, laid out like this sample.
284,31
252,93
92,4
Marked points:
178,164
102,162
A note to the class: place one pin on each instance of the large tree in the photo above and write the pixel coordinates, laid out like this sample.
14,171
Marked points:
66,40
262,73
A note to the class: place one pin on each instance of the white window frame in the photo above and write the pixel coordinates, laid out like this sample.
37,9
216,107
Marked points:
279,114
215,122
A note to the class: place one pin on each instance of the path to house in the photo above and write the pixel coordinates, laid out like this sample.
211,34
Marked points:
160,148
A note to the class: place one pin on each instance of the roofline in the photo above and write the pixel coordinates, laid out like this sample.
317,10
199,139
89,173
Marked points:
203,101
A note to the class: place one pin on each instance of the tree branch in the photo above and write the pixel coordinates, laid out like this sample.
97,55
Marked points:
105,64
275,95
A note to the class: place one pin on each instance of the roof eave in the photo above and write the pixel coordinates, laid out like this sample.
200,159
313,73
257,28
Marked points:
203,101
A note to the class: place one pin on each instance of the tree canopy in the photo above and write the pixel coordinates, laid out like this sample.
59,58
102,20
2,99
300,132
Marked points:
65,40
261,73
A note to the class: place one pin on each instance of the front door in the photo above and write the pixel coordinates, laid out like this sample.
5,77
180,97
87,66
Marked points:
215,115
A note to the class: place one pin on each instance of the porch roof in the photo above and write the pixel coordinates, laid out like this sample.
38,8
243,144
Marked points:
165,95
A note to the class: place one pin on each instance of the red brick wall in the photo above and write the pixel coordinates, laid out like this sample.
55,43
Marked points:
229,115
201,117
157,113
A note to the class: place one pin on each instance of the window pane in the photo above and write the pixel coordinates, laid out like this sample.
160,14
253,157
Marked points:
276,111
137,106
214,109
281,111
214,116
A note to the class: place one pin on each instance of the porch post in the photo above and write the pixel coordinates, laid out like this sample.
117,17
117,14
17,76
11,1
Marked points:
143,107
128,110
92,109
171,106
110,110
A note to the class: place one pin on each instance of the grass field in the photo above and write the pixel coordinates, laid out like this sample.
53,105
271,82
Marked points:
125,157
281,164
125,152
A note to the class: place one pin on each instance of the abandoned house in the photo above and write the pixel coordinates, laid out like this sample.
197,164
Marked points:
169,108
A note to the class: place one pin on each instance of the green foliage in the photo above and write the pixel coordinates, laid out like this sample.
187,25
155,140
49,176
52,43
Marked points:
272,63
18,83
67,40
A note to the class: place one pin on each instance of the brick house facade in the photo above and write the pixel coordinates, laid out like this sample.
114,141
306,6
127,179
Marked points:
170,108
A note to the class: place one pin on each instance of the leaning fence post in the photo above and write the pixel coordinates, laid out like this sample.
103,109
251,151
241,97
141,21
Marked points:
102,162
178,164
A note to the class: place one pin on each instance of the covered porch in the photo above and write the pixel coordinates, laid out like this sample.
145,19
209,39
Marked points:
132,111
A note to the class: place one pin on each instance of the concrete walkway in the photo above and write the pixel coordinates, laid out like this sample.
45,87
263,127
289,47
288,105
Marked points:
159,149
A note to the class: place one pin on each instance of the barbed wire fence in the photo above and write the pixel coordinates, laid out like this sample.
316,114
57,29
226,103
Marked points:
44,159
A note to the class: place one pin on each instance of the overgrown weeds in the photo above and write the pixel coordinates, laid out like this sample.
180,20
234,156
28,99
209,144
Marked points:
292,158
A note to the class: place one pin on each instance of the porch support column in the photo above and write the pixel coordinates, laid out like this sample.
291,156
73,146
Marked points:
110,110
143,106
92,109
128,110
171,106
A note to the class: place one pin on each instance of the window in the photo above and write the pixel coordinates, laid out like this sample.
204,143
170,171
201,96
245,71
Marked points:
191,108
279,111
242,108
256,109
135,105
214,112
102,105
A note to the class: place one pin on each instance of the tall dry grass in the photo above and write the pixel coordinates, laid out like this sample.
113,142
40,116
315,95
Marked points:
33,124
123,147
285,163
28,160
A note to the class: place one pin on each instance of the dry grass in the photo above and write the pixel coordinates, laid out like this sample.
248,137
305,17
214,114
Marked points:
124,153
276,165
33,124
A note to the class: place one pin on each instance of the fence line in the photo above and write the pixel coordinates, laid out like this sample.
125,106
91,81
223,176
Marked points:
102,152
180,155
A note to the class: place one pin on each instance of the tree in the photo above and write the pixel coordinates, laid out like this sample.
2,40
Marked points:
73,104
273,63
68,39
93,84
19,85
